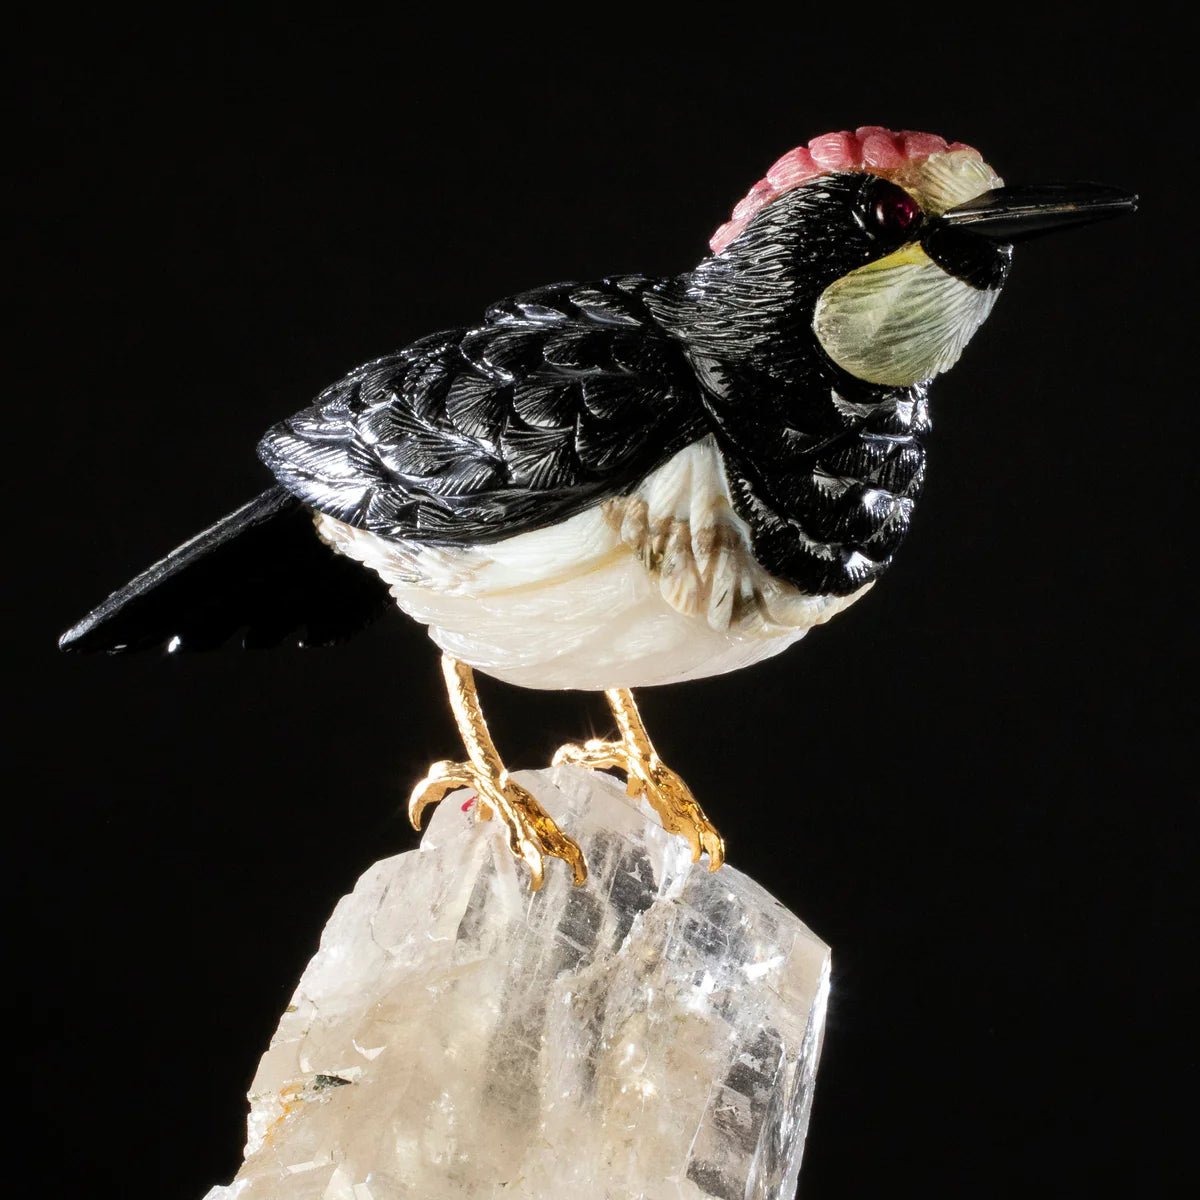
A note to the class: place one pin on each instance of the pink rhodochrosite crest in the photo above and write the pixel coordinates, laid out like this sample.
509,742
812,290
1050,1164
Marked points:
870,148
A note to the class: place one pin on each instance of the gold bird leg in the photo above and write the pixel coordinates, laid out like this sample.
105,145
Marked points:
531,833
646,774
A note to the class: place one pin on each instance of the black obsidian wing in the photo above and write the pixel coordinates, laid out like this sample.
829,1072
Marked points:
563,396
260,572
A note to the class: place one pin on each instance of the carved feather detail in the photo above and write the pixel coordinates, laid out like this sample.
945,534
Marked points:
682,526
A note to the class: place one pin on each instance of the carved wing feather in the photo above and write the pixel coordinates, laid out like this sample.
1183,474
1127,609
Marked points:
563,397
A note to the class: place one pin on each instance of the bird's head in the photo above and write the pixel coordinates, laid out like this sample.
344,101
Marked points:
889,248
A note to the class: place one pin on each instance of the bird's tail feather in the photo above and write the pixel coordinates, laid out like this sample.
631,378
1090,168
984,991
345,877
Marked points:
260,572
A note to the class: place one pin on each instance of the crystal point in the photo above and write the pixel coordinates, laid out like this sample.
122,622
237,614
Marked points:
652,1034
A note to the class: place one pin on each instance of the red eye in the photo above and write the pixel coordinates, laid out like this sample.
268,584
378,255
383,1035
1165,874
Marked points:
895,210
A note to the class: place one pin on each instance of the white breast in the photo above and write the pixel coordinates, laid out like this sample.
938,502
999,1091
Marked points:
655,587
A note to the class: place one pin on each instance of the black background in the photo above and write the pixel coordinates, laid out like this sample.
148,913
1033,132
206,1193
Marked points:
977,785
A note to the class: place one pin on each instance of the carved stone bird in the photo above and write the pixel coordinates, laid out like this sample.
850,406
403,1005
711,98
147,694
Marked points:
630,482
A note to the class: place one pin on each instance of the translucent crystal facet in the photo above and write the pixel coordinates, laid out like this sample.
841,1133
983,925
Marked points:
651,1034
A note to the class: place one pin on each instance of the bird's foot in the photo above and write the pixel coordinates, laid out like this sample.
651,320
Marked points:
532,834
647,775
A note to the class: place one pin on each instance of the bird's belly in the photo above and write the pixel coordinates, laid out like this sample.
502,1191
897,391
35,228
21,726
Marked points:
606,627
570,606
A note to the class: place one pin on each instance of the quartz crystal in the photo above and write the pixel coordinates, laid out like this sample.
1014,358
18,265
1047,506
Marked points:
651,1034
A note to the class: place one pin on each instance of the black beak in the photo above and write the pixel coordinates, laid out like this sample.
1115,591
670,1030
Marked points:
1015,214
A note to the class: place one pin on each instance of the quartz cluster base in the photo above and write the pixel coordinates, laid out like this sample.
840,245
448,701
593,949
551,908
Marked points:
652,1034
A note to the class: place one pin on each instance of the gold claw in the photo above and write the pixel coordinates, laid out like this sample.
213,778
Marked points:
647,775
593,753
532,833
679,812
442,778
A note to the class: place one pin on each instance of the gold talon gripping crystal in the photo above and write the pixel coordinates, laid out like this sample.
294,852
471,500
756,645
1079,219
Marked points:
647,775
532,834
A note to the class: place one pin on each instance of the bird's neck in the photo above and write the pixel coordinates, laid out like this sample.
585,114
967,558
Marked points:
825,468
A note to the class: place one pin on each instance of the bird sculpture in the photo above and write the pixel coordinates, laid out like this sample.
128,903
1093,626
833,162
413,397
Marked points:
629,482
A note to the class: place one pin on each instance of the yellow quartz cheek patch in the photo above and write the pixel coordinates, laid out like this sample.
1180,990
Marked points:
899,320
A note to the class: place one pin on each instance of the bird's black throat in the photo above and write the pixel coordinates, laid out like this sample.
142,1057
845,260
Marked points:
824,468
